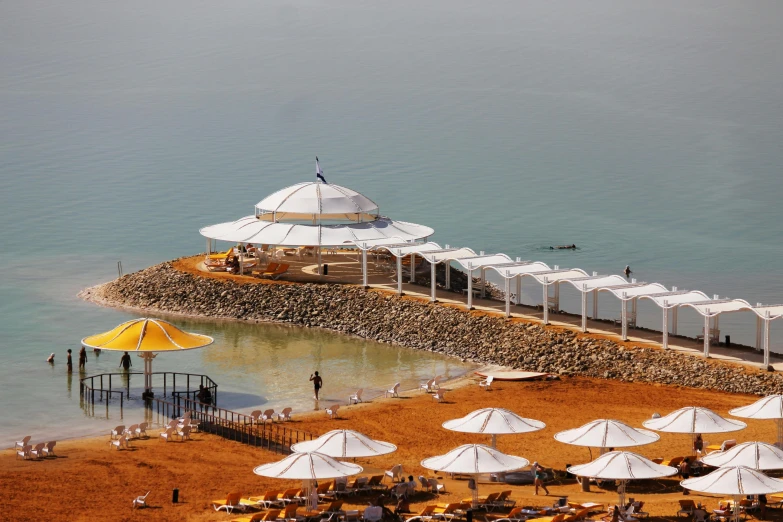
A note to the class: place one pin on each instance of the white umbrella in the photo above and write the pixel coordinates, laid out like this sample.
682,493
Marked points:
737,481
768,408
493,421
474,459
345,444
308,467
622,466
754,455
606,433
694,420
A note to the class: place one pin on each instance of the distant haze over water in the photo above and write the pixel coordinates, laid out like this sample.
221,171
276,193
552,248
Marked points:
647,133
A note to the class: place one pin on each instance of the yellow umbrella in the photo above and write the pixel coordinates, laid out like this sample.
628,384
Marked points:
147,336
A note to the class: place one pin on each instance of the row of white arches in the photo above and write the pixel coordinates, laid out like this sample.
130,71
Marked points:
626,291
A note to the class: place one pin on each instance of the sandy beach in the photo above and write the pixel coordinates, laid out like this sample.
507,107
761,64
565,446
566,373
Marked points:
88,481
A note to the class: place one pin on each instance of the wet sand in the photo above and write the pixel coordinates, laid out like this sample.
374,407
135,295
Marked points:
88,481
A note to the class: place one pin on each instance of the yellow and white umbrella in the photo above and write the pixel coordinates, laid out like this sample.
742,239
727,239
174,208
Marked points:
147,337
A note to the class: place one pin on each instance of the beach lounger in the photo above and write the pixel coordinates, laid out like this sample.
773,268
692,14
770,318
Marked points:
140,501
24,452
222,255
484,499
268,499
323,489
119,443
486,384
276,272
504,500
49,449
230,504
447,512
37,450
424,514
375,482
356,397
394,390
290,495
395,474
268,415
332,410
284,415
560,517
24,442
117,432
167,434
438,395
591,507
673,462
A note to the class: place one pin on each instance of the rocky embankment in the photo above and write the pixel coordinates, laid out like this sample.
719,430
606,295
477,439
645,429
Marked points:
424,326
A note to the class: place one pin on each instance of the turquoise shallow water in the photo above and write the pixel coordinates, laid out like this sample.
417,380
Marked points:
647,133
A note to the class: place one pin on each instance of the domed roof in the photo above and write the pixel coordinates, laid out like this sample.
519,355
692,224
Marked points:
316,199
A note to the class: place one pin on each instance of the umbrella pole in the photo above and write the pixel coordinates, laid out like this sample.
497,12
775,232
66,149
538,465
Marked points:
780,432
735,509
148,356
475,489
494,441
621,492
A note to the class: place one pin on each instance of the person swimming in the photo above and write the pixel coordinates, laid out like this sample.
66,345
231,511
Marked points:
563,247
627,271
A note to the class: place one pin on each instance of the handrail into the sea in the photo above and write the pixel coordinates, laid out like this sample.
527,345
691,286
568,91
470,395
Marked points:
231,424
88,390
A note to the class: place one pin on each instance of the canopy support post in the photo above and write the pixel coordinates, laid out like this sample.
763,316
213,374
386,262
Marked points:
433,298
665,327
766,340
320,274
557,296
758,344
595,304
447,266
209,246
545,286
508,296
494,442
519,290
624,317
470,288
483,283
707,333
675,311
399,275
584,308
413,267
364,269
148,357
621,492
779,422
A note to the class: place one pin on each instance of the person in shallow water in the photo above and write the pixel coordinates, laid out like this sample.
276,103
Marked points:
125,361
317,383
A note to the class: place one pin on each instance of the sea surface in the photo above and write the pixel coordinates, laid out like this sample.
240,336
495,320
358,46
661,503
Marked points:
648,133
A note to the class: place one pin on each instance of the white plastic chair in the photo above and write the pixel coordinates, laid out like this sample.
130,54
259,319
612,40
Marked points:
268,415
167,434
24,442
285,415
24,452
487,383
254,416
140,501
184,433
427,387
131,431
425,484
436,486
438,395
356,397
332,410
49,449
395,474
37,451
436,382
142,429
394,391
119,443
117,432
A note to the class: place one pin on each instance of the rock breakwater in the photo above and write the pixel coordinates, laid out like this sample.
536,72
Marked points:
388,318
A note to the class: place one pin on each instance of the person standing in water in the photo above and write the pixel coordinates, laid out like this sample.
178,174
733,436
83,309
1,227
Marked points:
69,362
627,271
82,358
125,361
317,383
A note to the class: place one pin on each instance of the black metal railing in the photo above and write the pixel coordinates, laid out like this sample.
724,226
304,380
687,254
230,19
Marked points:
102,385
274,436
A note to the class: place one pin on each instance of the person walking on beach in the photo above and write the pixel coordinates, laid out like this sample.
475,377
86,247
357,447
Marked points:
69,362
317,383
125,361
82,358
538,476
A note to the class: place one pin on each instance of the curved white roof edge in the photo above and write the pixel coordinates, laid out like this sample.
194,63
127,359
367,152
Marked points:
521,268
316,198
475,262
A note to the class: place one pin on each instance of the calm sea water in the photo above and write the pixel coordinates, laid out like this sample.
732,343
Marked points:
648,133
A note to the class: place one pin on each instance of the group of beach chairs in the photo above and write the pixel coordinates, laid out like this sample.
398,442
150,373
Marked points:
261,417
432,386
125,435
27,451
221,262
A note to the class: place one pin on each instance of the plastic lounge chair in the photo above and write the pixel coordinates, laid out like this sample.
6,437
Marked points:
424,514
230,504
560,517
24,452
504,500
37,450
323,489
486,384
394,391
119,443
284,415
375,482
356,397
24,442
167,434
446,512
289,495
637,509
117,432
438,395
131,430
222,255
268,499
515,515
437,487
140,501
395,474
332,410
427,386
49,449
687,507
142,430
271,267
268,415
276,272
673,462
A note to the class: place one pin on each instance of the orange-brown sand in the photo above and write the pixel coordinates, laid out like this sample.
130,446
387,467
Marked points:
88,481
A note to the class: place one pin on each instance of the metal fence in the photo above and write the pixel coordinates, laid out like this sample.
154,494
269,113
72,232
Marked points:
274,436
89,388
